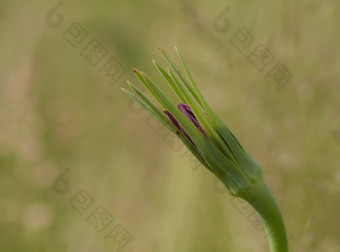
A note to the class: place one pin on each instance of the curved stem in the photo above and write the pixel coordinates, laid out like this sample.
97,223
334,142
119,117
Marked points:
261,199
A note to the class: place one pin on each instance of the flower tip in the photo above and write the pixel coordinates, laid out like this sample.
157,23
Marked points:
182,107
134,70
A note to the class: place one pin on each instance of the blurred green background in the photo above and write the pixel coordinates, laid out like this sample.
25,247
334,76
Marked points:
71,141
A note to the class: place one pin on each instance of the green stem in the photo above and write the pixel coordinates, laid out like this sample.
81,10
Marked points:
261,199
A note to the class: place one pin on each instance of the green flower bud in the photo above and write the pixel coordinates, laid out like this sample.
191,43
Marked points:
212,143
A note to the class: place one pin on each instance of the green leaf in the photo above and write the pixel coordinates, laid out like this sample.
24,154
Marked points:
141,79
147,108
161,116
172,84
178,72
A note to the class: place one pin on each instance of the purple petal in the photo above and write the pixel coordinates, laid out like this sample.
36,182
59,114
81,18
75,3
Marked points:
174,122
186,110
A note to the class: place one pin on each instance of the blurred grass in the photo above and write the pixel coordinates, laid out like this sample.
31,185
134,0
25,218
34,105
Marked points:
58,112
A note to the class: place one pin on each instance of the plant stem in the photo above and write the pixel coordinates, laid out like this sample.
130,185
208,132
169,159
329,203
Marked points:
261,199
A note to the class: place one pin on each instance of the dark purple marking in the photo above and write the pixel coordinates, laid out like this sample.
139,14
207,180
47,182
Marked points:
187,112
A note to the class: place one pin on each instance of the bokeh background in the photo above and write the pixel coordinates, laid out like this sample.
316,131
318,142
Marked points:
83,168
